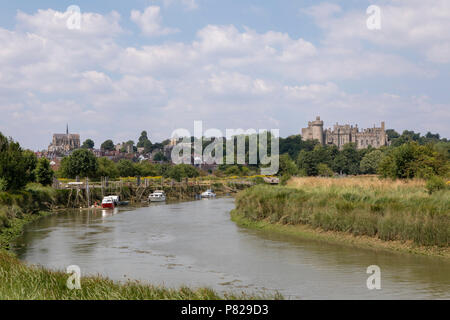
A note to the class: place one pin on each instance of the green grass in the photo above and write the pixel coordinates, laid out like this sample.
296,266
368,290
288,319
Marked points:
405,213
18,281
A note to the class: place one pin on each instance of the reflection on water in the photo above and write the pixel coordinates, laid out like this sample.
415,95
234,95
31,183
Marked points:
195,243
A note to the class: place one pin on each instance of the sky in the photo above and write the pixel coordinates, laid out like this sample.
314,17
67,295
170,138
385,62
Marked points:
160,65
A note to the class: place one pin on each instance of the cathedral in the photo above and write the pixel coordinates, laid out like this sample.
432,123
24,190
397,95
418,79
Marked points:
63,143
343,134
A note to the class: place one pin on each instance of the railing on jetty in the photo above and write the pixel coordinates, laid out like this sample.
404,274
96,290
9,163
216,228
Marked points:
87,193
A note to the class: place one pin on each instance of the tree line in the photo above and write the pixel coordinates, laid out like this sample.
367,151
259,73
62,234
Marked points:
409,155
83,163
19,167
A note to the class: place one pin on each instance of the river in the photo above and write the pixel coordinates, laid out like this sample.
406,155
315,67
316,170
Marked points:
195,244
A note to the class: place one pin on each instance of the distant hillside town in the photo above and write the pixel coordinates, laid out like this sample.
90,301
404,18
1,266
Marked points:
64,144
297,147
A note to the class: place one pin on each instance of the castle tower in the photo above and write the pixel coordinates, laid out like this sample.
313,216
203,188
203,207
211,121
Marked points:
317,130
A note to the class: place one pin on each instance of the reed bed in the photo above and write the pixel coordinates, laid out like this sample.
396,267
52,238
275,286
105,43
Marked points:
19,281
388,210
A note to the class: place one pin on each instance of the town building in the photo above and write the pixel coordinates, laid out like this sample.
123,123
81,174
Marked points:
340,135
64,143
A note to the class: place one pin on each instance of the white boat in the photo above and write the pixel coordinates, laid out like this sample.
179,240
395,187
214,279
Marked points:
157,196
116,200
208,194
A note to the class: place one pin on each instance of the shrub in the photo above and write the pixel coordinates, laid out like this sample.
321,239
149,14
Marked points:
284,179
43,172
3,184
16,165
324,171
412,160
435,183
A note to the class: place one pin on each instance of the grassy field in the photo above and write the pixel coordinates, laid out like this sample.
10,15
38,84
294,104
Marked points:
395,211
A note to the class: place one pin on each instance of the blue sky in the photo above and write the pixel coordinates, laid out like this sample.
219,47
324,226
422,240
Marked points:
159,65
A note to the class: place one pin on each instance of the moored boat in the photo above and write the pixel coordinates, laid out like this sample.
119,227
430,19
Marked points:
208,194
157,196
108,203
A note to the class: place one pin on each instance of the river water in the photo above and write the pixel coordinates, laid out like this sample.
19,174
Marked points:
196,244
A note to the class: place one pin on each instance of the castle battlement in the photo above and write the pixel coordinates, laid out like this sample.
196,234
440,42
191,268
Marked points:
343,134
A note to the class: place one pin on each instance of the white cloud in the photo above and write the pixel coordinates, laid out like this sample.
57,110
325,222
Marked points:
54,23
421,25
187,4
150,22
226,76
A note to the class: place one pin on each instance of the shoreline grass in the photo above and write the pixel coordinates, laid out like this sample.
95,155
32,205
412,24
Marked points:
20,281
305,232
397,215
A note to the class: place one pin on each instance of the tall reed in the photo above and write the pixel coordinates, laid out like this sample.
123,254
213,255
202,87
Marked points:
383,209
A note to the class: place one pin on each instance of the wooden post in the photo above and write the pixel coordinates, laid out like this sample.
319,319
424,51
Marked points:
87,192
103,181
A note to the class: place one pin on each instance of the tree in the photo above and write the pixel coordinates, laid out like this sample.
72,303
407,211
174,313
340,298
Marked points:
392,134
88,144
181,171
108,145
143,139
44,173
148,146
412,160
81,163
159,157
294,144
309,160
233,170
144,142
147,169
14,165
30,161
126,168
347,160
107,168
287,166
324,170
369,163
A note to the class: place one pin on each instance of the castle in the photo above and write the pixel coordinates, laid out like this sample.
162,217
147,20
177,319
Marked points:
63,143
343,134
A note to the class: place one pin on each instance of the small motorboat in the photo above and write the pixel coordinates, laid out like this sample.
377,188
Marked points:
208,194
116,200
108,203
157,196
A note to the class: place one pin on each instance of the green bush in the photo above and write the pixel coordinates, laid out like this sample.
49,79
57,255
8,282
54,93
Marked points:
16,165
324,171
3,184
412,160
43,172
435,183
284,179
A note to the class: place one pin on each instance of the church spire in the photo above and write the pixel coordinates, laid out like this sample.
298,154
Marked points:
67,129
